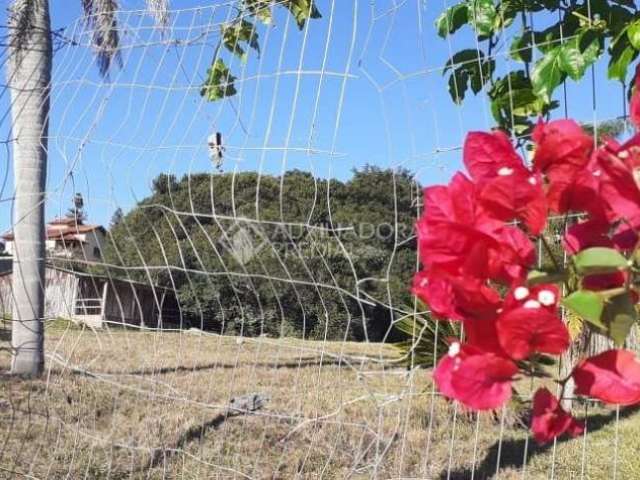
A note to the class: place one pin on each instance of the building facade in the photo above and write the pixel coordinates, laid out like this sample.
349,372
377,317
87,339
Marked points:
69,238
75,294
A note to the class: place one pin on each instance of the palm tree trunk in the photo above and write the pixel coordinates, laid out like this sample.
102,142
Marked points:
29,79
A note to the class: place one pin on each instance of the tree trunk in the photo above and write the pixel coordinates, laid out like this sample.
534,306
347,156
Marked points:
29,79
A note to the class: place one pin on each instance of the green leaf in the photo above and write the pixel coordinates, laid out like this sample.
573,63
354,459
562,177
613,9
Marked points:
452,19
599,260
619,316
513,102
458,85
622,54
465,59
579,52
512,8
264,15
571,61
261,9
521,48
555,35
426,339
469,67
482,16
586,304
219,82
617,19
238,32
302,10
547,75
501,22
590,43
537,276
480,76
633,34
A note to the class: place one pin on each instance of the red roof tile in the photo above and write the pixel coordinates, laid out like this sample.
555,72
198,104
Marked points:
63,229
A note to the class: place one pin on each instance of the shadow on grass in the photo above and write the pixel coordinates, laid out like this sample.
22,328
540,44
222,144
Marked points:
197,432
512,452
245,404
300,363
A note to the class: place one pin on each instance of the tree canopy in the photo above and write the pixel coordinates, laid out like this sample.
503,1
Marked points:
294,255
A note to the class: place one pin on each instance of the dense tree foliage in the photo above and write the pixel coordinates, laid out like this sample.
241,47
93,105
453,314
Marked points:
294,255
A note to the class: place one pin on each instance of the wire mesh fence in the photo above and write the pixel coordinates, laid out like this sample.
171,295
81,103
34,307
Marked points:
221,299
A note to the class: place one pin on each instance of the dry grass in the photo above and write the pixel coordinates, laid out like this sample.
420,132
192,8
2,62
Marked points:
336,410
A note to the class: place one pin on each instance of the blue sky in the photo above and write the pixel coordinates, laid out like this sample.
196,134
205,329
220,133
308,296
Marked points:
361,85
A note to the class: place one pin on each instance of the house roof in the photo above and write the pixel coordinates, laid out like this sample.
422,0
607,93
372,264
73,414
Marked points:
64,229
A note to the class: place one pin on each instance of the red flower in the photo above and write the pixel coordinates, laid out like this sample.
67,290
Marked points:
514,256
480,380
528,323
561,143
455,203
438,203
625,237
574,190
482,333
612,376
604,281
531,329
563,153
618,188
550,420
457,237
455,248
516,196
592,233
487,154
456,298
507,189
598,233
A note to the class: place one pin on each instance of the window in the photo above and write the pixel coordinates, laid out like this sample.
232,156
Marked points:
96,252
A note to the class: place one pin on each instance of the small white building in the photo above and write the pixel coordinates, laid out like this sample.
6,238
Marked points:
69,238
88,298
100,300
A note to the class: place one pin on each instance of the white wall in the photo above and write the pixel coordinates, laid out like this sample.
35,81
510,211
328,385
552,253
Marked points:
92,240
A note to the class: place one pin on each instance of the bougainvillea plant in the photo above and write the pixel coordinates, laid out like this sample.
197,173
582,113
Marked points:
477,250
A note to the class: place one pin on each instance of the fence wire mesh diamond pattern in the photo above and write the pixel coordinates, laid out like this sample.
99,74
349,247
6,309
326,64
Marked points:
225,298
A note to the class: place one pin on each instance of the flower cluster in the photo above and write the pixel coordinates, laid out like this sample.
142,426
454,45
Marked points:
477,250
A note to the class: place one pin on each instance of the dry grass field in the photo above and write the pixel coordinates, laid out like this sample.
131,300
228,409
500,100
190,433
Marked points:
147,405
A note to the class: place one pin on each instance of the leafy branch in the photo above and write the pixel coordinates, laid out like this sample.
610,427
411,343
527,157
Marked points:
546,57
240,35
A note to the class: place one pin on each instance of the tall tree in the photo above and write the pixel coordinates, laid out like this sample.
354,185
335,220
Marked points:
29,72
29,79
